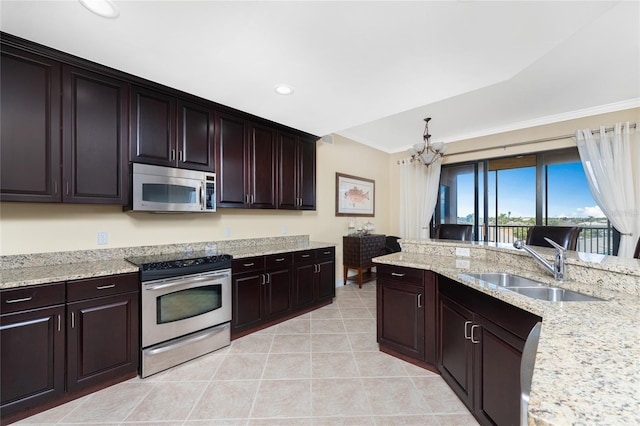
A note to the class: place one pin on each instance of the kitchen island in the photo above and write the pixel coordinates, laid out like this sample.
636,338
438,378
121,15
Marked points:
587,368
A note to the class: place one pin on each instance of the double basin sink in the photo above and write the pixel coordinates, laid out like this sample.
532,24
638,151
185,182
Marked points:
531,288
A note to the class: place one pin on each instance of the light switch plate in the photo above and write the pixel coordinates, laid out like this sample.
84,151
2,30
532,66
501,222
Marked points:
463,252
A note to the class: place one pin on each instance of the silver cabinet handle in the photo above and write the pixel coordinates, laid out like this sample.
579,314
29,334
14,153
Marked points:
246,265
263,279
466,330
55,187
180,156
172,155
73,320
24,299
280,259
419,300
326,252
473,327
396,274
306,255
268,278
104,287
59,322
67,187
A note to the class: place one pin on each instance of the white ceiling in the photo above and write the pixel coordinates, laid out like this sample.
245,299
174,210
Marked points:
367,70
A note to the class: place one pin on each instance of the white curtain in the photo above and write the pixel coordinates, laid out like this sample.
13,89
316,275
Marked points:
611,161
418,196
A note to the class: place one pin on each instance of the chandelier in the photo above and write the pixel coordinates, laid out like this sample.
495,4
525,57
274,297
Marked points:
426,153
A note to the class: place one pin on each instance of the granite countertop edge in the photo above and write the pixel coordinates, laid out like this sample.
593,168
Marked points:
584,372
26,276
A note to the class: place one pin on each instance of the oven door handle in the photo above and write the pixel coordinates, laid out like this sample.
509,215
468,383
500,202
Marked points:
183,282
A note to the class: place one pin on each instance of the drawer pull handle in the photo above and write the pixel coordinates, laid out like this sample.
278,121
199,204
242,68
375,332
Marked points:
248,264
326,252
281,259
473,327
24,299
306,255
419,300
466,330
395,274
104,287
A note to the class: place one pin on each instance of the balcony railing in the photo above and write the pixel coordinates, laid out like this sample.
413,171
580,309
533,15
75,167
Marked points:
592,239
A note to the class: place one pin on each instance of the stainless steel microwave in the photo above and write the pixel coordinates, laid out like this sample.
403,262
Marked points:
166,189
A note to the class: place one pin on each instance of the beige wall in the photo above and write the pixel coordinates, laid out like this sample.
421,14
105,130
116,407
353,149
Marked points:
37,228
501,140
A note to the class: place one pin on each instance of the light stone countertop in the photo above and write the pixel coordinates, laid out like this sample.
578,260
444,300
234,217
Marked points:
587,369
93,266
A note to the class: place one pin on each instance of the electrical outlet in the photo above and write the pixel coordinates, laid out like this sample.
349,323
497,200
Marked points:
463,252
103,238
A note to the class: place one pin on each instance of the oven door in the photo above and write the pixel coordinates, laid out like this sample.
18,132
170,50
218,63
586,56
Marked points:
174,307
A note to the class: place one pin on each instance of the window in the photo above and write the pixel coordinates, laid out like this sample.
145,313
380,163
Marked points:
504,197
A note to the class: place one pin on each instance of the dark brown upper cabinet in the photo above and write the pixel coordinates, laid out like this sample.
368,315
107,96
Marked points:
95,140
296,172
29,127
246,170
168,131
63,132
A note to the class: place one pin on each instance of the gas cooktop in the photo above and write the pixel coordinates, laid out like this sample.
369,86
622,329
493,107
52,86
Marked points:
167,265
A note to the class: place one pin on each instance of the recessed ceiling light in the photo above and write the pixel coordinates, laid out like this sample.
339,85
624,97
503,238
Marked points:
104,8
283,89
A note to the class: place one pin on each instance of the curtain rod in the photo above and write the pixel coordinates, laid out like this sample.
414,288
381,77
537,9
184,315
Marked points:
549,139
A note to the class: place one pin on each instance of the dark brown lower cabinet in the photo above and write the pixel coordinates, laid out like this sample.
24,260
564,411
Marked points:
52,352
480,347
406,312
269,289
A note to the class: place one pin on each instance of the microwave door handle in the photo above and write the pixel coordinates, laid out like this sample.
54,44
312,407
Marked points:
202,196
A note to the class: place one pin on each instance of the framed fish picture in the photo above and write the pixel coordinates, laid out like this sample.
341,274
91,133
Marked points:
355,196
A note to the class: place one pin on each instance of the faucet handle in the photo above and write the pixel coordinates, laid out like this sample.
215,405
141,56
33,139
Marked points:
518,244
555,245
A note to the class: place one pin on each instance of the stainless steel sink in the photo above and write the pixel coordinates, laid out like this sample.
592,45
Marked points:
531,288
505,280
554,294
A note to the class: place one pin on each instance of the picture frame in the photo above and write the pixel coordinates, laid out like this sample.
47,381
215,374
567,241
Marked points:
355,196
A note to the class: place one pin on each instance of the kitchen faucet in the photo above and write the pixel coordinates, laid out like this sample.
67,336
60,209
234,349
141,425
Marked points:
557,269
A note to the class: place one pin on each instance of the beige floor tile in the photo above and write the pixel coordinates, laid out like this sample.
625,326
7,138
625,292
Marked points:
112,404
288,366
241,367
363,342
252,343
420,420
457,420
168,401
54,415
283,398
327,326
414,370
438,395
281,422
214,422
351,313
344,421
339,397
327,312
378,364
226,399
294,326
362,325
288,343
330,343
394,396
337,364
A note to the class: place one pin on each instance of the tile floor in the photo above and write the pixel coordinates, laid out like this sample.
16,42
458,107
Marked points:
322,368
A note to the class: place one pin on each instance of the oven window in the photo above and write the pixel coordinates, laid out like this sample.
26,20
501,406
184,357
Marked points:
188,303
166,193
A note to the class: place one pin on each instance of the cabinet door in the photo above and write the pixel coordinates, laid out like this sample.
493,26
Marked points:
304,276
195,136
401,317
29,127
497,374
31,358
455,360
231,158
103,340
288,196
153,127
262,167
326,279
95,139
247,295
278,292
307,174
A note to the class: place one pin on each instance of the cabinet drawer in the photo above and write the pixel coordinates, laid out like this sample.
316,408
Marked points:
103,286
304,256
278,260
325,253
401,274
31,297
247,264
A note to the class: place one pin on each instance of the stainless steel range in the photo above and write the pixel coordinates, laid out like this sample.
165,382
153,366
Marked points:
186,307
